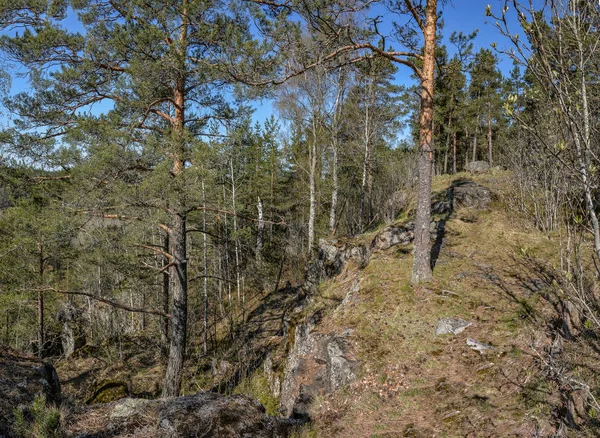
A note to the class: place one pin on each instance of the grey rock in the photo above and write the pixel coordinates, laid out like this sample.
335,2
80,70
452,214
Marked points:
468,194
22,378
393,235
272,376
340,369
479,346
205,414
317,364
441,207
333,256
452,326
128,407
350,296
73,333
477,167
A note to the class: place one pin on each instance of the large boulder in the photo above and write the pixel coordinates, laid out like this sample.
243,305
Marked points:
477,167
22,378
393,235
402,235
205,414
317,364
469,194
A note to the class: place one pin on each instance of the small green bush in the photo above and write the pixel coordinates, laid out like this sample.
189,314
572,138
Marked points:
38,420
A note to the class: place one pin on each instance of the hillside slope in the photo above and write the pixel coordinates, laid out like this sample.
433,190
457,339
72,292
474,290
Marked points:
416,383
358,352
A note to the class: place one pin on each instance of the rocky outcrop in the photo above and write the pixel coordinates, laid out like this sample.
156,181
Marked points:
333,256
317,364
402,235
469,194
477,167
393,235
22,378
206,414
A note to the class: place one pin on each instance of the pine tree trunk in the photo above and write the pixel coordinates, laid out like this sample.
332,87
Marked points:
446,151
489,134
205,266
454,151
259,233
40,309
164,321
178,241
474,147
178,273
422,247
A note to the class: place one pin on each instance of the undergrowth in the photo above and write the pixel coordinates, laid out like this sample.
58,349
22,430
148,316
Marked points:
39,420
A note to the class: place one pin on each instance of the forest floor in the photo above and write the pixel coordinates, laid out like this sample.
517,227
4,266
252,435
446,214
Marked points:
413,383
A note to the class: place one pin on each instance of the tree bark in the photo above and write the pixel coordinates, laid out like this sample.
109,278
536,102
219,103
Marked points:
334,170
489,133
446,151
312,188
454,151
178,269
259,233
178,273
365,171
205,266
40,309
422,246
240,294
164,321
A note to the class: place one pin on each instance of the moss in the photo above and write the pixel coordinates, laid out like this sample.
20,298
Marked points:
108,391
257,386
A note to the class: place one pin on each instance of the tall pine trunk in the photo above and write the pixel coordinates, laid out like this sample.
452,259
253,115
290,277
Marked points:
178,240
40,303
178,273
205,266
164,321
454,152
489,134
422,248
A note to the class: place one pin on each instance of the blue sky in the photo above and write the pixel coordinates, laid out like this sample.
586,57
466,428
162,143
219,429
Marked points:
459,15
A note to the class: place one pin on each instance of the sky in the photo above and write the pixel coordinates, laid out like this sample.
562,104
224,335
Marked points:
458,15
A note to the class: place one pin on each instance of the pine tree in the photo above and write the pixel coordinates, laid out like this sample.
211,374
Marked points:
484,90
155,66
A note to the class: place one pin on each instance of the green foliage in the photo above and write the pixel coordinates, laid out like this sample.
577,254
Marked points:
257,386
38,420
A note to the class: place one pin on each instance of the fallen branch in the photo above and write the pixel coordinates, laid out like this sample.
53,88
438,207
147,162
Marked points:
105,301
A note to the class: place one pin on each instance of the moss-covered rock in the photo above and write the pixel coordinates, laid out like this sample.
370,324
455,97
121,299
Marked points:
108,391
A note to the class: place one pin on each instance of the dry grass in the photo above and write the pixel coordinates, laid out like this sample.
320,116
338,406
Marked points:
415,383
